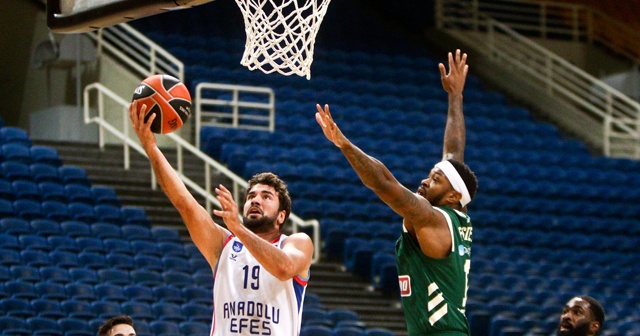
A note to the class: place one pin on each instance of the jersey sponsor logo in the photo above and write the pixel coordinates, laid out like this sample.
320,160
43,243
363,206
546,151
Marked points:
237,246
405,285
462,250
250,317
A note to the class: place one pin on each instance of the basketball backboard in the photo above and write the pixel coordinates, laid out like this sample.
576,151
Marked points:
76,16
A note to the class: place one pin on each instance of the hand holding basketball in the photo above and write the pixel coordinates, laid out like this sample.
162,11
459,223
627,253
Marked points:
167,98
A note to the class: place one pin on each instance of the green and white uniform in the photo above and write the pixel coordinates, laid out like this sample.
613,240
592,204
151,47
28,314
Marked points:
434,291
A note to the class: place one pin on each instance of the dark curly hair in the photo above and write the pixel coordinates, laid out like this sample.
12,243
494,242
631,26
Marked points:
106,327
467,175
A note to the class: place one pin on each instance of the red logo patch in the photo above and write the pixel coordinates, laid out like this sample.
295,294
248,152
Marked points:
405,285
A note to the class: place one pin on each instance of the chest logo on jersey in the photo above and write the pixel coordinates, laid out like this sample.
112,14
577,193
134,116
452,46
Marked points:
405,285
237,246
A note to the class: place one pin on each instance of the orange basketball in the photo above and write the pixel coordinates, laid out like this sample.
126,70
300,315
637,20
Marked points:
168,98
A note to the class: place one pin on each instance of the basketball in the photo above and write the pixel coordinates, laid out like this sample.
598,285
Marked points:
168,98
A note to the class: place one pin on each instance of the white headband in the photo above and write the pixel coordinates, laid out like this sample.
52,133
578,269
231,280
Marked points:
456,180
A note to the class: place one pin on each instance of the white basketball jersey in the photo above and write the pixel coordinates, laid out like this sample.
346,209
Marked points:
248,300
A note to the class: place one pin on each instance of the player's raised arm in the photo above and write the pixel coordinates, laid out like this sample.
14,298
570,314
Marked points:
205,233
375,175
453,82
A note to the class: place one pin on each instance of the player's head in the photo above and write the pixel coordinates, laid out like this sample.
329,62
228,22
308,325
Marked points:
451,183
267,203
121,325
581,316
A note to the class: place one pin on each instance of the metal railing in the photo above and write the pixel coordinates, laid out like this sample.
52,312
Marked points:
136,51
210,165
618,113
252,112
545,19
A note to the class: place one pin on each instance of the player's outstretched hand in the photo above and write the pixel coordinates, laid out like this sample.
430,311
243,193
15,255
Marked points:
229,211
453,82
142,129
329,127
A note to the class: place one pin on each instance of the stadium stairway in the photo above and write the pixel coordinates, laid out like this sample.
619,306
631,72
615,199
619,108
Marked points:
133,187
336,288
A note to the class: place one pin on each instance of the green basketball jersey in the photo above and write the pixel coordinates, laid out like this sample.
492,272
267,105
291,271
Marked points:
434,291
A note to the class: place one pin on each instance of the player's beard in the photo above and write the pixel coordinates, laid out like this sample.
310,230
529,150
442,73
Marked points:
581,329
259,225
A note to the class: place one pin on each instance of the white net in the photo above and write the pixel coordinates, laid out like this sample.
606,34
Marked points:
281,34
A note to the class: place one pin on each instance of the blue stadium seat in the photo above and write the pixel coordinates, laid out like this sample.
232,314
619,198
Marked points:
53,191
34,242
347,331
63,259
16,152
145,277
92,260
79,193
45,155
135,232
9,242
338,315
138,310
172,249
82,212
166,311
121,261
46,227
105,195
51,291
14,135
11,325
34,258
316,330
135,216
14,171
90,244
73,174
78,292
194,328
168,293
109,214
139,293
178,264
106,309
196,312
111,292
198,295
47,308
25,273
164,328
178,279
75,327
144,247
28,190
55,274
84,275
18,306
106,230
28,209
118,245
44,326
44,173
162,234
146,262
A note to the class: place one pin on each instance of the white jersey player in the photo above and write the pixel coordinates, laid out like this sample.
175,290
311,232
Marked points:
274,274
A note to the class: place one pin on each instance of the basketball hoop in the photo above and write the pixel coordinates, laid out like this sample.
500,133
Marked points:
281,34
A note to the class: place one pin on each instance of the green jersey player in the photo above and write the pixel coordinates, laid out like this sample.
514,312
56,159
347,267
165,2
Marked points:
433,252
